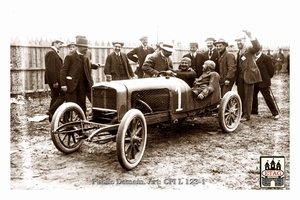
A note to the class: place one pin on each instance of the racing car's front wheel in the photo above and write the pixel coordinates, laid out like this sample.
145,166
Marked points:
66,127
131,139
230,111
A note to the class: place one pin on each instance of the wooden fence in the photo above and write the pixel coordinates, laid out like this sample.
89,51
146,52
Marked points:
28,61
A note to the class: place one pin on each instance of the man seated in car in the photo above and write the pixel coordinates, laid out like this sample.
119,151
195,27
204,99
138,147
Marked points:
185,72
207,82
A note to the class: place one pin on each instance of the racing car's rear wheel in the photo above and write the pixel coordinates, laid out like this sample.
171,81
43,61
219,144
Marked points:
63,130
230,111
131,139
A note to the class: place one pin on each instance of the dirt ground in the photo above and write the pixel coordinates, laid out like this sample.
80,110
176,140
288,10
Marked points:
194,155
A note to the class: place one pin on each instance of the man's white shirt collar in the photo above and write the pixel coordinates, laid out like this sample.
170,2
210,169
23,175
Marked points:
257,57
53,47
78,52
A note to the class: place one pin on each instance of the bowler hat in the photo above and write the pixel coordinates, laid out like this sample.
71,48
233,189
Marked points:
167,47
117,42
210,39
221,41
82,42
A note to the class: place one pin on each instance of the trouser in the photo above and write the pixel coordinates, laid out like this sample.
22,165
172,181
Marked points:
245,91
78,95
268,99
226,88
139,72
57,98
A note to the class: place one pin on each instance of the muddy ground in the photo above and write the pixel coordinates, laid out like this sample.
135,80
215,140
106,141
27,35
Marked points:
194,155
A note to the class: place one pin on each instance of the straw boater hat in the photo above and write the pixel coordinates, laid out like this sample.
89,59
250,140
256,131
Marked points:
71,43
117,42
221,41
167,46
82,42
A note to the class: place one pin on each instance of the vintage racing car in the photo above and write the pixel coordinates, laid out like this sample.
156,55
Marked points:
123,110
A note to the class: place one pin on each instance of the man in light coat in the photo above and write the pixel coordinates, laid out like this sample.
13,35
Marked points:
159,61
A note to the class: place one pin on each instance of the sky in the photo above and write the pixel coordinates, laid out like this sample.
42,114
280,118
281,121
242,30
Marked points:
179,21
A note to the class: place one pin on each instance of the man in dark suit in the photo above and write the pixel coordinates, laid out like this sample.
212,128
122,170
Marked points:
75,76
53,64
139,54
197,59
227,66
117,64
247,72
159,61
211,53
266,68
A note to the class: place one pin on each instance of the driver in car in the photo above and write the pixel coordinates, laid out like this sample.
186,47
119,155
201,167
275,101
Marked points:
185,72
205,84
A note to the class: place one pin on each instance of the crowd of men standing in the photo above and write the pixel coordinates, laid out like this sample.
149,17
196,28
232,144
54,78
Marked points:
251,70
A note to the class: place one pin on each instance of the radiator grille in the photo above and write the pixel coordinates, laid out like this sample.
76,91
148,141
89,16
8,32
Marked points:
104,98
156,99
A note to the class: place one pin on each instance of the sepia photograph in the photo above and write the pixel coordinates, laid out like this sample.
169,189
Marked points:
161,96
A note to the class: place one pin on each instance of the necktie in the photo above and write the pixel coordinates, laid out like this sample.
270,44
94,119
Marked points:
210,53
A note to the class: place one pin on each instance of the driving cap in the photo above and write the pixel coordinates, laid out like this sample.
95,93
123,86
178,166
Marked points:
186,59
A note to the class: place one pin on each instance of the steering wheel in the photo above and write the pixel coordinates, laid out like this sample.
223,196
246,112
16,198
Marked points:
166,73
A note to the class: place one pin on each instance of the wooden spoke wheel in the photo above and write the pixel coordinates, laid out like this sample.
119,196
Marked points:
131,139
66,127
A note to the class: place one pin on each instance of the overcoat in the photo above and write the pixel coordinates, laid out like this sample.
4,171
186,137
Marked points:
71,73
227,67
266,69
112,64
53,65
